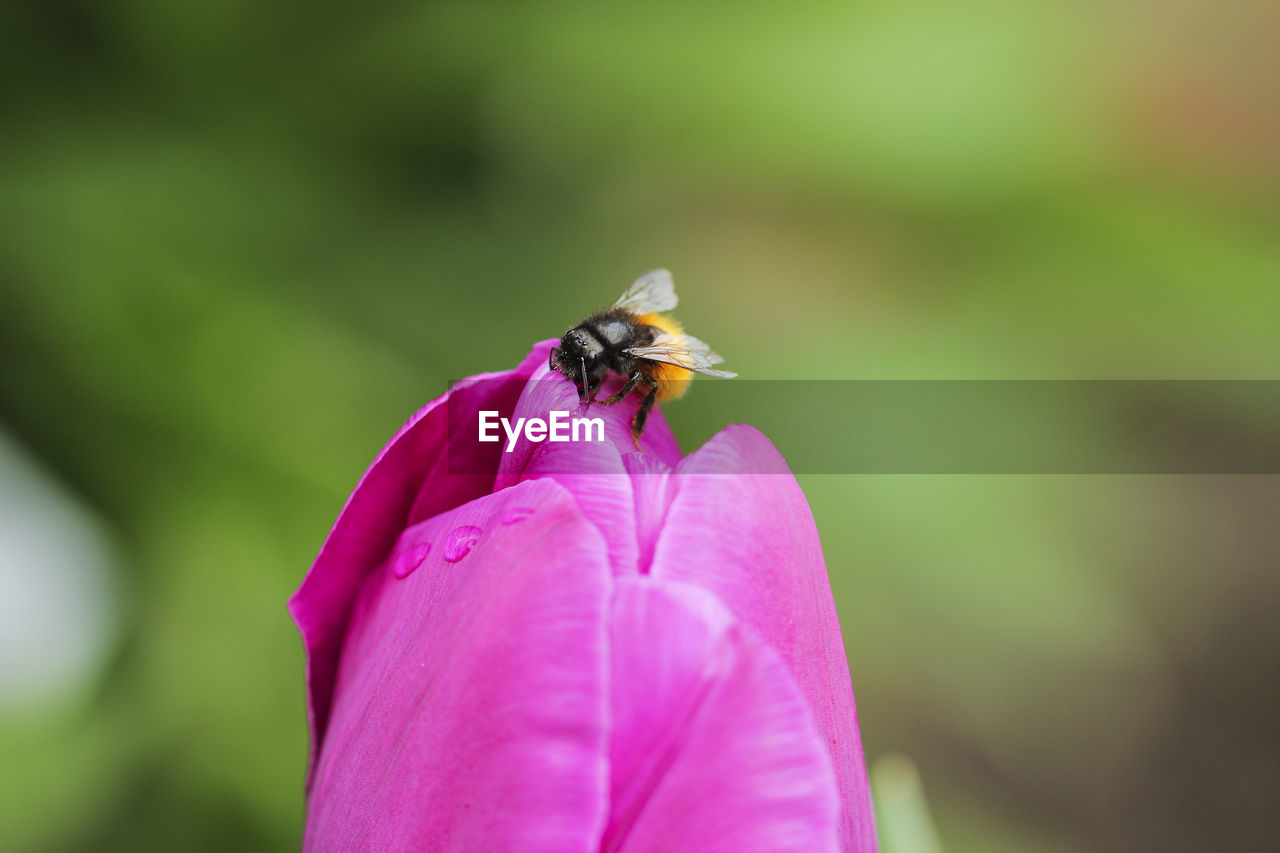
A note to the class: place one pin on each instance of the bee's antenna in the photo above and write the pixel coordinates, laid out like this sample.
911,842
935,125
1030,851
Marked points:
585,396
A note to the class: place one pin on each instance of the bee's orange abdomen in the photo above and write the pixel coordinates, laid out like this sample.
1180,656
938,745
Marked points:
673,381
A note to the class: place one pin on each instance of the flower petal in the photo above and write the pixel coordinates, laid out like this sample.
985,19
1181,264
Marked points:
470,711
548,391
408,481
593,471
739,526
651,481
713,748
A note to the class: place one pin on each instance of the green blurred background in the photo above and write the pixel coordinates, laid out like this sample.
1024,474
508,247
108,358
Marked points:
241,242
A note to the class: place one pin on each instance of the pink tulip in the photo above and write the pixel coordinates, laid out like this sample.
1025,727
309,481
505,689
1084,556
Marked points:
575,646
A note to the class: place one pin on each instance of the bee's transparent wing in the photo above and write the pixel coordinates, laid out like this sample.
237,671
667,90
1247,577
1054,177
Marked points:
653,291
683,351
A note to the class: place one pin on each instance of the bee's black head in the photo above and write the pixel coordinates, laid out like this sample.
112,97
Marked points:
579,357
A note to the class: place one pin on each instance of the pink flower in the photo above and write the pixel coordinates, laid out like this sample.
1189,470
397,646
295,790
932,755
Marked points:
576,647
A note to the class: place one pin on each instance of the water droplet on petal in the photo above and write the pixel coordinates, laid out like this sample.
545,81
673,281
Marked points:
516,514
460,541
410,559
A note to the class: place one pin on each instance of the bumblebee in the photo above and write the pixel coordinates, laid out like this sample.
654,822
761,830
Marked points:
634,339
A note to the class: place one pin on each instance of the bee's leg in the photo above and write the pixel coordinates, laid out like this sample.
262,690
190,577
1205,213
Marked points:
625,389
642,414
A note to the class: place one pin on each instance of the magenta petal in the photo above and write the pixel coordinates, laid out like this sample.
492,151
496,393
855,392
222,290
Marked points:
407,482
470,711
713,748
651,482
594,472
548,391
740,526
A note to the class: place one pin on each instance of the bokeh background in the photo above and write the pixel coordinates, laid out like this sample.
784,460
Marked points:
241,242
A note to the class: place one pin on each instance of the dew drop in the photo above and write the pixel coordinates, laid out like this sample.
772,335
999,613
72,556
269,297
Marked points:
410,559
516,514
460,541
